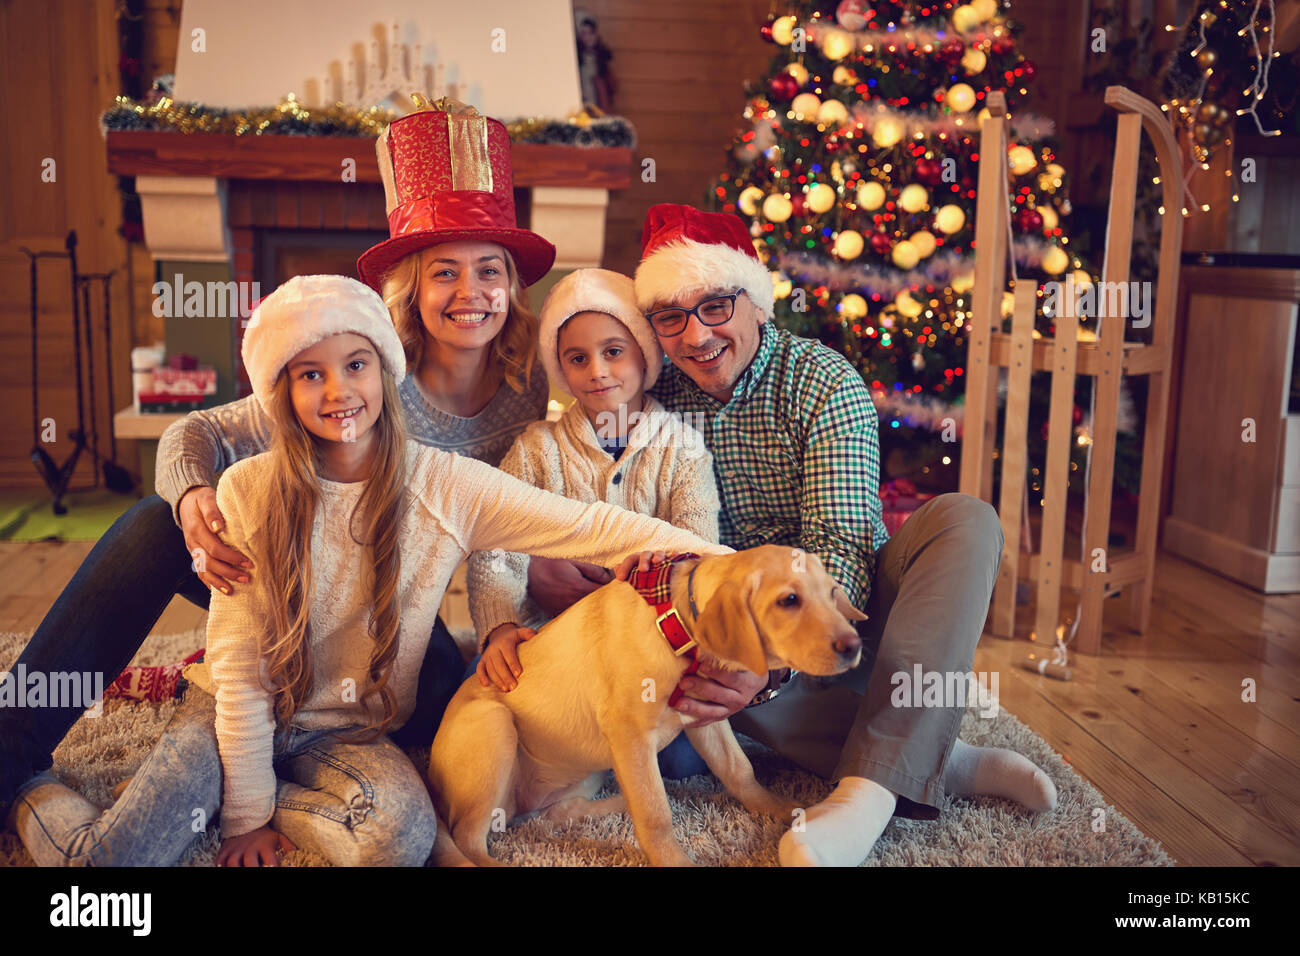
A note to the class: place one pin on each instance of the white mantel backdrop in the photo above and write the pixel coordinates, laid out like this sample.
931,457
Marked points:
256,51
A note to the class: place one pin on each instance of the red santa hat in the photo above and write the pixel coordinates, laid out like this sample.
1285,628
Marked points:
594,290
687,252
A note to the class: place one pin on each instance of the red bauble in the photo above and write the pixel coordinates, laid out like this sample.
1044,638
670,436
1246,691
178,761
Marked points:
765,31
783,86
952,51
1003,45
796,204
1028,220
852,14
929,172
1030,68
832,146
881,243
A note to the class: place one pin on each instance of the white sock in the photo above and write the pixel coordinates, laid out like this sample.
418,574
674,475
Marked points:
842,829
999,773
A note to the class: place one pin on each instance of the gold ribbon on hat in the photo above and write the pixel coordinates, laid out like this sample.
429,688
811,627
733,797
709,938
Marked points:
467,141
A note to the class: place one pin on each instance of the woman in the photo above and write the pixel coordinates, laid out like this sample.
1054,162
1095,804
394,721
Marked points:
453,274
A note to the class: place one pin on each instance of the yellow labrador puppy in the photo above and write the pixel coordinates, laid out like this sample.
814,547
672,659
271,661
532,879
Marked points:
594,695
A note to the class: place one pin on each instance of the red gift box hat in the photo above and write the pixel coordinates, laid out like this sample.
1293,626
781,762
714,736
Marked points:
446,173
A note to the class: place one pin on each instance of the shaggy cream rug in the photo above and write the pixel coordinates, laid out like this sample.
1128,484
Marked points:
714,829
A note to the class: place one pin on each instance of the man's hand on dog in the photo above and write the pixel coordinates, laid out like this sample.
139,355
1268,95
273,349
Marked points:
499,662
712,694
557,583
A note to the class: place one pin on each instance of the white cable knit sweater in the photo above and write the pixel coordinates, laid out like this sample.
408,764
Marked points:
664,471
457,505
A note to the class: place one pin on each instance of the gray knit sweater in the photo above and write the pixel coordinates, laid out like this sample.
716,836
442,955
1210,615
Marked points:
193,450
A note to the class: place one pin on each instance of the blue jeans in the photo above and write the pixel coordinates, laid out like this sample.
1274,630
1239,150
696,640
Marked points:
354,804
107,610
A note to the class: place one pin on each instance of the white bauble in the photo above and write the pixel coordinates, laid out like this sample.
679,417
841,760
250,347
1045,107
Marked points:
950,219
777,207
819,197
1021,159
871,195
1055,260
748,200
985,9
887,131
905,255
913,198
832,113
783,30
923,242
848,244
973,61
806,105
853,306
964,19
960,98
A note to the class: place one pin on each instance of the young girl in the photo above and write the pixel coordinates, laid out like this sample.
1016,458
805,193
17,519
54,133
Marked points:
356,531
614,444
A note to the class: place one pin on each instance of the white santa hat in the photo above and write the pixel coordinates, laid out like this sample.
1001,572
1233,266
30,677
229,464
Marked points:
594,290
685,252
307,309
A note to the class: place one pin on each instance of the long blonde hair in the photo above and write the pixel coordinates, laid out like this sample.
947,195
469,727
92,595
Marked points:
515,346
283,558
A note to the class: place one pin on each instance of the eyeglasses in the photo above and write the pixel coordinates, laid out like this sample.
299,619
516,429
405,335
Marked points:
715,310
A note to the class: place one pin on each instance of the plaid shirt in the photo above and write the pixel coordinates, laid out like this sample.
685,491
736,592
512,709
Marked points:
796,455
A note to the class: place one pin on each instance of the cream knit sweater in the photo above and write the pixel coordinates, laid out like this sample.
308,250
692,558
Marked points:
664,471
457,505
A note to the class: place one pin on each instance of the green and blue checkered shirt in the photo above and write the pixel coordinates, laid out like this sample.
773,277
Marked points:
796,454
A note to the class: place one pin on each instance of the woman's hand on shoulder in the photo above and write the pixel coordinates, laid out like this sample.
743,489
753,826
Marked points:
258,847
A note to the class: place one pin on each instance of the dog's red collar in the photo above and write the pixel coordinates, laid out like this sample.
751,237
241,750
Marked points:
654,587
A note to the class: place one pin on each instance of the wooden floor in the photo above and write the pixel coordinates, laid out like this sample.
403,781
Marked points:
1157,723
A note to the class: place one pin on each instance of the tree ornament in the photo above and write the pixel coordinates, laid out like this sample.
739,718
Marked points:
973,61
952,51
950,219
887,132
805,106
765,31
960,98
1028,220
923,242
1050,219
986,9
1030,68
905,255
1207,59
881,243
820,198
1002,45
928,172
799,72
781,286
851,15
777,208
836,44
748,200
913,198
965,19
783,30
871,195
783,86
832,113
1022,160
853,306
1055,260
797,204
918,361
848,244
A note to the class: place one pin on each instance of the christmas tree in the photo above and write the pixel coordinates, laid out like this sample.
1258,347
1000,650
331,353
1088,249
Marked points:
857,169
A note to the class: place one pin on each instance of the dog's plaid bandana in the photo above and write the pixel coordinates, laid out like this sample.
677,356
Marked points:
654,587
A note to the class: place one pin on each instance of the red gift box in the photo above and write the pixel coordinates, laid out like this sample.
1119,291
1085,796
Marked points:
898,499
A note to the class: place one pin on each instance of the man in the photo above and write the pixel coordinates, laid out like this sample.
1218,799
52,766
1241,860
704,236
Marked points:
793,434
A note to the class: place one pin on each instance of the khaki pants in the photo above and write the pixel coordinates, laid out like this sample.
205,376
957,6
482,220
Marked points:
928,604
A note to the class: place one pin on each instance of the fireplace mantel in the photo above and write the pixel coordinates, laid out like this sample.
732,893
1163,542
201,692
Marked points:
182,182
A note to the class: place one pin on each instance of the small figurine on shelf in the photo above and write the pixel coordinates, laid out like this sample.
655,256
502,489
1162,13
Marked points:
597,79
182,385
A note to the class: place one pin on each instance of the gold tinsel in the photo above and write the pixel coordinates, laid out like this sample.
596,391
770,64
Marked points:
289,116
